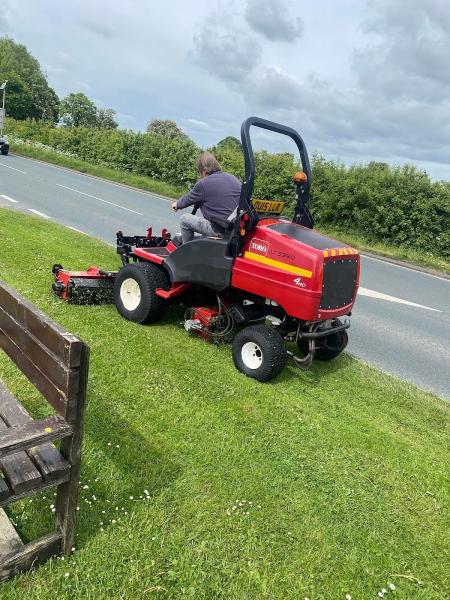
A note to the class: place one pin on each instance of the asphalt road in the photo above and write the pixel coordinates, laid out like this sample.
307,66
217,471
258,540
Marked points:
401,319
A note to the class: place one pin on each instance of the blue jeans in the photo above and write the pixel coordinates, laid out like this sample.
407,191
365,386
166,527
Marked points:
190,224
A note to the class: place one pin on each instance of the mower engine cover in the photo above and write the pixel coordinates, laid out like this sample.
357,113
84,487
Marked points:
92,286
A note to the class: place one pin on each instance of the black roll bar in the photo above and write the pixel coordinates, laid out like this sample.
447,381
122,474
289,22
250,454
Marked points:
247,216
247,186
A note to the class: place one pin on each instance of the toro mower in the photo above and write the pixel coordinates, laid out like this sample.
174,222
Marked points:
269,284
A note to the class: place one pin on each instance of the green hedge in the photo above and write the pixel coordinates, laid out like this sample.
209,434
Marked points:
395,205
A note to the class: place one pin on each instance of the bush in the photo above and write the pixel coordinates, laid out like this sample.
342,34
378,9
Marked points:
396,205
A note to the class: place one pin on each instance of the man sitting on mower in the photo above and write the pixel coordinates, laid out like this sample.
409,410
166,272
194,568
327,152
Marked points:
216,194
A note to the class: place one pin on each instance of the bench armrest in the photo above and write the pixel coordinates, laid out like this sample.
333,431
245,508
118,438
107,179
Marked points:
33,433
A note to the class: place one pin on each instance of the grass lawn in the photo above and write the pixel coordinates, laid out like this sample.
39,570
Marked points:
200,483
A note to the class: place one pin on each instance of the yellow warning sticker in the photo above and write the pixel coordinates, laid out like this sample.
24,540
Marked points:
268,206
339,251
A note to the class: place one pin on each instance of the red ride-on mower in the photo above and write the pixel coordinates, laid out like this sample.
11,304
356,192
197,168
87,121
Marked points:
274,279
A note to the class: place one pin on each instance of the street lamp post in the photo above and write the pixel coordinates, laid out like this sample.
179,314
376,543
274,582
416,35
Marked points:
3,87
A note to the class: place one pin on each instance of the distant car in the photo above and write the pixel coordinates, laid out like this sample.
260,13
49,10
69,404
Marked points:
4,146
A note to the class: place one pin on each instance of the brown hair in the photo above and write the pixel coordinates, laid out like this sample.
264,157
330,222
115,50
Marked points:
206,162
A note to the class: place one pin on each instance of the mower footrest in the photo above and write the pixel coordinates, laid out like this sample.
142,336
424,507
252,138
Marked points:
175,290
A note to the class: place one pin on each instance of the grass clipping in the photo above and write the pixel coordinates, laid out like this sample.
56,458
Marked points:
198,482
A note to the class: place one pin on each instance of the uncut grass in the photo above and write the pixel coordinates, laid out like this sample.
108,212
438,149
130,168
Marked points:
318,484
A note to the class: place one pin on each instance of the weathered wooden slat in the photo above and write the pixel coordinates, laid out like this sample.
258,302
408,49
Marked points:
52,394
41,487
18,468
56,371
5,492
34,433
47,458
9,540
63,344
30,555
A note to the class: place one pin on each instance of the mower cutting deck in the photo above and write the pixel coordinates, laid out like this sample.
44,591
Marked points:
273,284
92,286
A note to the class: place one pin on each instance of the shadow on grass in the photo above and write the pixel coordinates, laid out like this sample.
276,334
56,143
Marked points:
110,476
115,474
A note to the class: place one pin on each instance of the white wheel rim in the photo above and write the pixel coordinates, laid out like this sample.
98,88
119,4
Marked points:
252,355
130,293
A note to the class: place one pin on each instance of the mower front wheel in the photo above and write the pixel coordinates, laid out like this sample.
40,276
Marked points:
134,292
259,352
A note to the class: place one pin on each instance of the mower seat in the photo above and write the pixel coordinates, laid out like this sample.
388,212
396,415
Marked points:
226,225
203,261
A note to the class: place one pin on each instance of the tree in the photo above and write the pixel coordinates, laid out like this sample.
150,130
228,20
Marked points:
165,128
78,111
28,93
230,142
19,99
106,118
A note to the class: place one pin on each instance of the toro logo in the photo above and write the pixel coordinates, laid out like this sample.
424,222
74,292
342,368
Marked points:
259,246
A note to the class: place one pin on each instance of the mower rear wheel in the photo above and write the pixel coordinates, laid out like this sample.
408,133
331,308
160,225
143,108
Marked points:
259,352
134,292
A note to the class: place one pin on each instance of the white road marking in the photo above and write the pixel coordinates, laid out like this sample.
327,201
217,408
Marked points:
380,296
13,168
388,262
99,178
77,230
100,199
39,214
8,198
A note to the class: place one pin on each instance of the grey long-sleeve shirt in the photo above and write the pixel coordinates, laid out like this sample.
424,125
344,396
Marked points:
217,195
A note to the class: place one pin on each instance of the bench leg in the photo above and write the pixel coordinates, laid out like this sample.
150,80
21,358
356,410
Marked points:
67,494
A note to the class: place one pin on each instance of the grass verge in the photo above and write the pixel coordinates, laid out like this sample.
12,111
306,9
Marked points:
200,483
159,187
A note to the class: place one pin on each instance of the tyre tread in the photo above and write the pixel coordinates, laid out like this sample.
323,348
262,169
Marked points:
149,277
273,349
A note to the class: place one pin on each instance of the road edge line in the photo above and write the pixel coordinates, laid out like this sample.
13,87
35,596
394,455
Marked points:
124,185
406,265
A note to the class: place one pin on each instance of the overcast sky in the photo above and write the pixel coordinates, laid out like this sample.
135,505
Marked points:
360,79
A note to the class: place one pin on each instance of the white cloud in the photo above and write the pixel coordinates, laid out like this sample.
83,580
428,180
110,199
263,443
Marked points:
197,123
226,50
398,104
273,20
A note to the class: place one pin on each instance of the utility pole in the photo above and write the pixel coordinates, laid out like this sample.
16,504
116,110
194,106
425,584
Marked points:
3,87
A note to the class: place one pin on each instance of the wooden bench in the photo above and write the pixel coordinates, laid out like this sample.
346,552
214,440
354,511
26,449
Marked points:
56,363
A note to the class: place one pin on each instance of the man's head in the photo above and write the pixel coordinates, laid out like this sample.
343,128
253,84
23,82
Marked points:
207,164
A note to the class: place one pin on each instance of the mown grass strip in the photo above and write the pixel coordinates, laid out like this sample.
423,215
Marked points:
200,483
